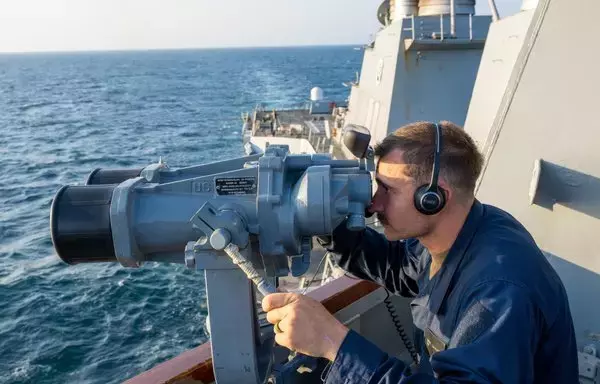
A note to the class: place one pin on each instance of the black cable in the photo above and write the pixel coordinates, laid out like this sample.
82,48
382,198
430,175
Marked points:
397,324
399,328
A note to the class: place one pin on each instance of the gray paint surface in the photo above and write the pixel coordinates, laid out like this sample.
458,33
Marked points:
549,112
504,42
436,85
379,63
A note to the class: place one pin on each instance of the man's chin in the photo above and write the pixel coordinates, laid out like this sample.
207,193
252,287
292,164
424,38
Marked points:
390,234
393,235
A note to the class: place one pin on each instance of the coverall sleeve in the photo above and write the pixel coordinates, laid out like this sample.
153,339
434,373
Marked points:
494,342
369,255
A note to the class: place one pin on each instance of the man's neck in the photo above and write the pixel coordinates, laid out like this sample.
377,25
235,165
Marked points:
439,241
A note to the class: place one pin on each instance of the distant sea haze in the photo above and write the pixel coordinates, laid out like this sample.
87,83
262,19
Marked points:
63,115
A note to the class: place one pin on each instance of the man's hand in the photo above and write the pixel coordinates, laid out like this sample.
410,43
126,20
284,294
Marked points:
305,325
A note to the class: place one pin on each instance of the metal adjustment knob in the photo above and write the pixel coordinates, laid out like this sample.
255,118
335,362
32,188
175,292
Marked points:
356,222
220,238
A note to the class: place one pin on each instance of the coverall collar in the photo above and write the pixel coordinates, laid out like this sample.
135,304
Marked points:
434,293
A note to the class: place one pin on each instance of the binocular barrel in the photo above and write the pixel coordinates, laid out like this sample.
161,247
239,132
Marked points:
101,176
80,224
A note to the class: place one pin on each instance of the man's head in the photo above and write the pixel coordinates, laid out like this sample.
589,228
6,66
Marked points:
405,163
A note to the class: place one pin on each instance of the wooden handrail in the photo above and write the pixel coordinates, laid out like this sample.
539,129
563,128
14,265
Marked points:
195,365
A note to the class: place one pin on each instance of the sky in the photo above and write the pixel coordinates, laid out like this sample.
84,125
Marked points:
84,25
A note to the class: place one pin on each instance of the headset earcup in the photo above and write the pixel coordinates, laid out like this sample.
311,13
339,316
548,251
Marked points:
428,201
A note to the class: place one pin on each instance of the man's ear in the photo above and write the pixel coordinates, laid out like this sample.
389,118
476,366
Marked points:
446,189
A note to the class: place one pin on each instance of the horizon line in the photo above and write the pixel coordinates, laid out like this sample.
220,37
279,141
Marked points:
205,48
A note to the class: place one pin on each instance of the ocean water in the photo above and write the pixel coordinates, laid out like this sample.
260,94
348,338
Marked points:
62,115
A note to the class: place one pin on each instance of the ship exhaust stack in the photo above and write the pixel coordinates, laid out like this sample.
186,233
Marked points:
402,8
444,7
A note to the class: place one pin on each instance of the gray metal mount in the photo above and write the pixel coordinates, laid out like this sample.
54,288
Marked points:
244,222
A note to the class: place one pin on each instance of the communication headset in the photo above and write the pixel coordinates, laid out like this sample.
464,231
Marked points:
429,198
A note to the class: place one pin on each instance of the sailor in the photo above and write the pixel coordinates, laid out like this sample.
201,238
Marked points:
487,306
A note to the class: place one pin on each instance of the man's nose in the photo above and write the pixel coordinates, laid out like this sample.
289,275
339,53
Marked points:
370,208
376,204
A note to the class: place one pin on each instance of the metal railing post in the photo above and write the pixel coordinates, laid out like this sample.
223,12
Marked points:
442,26
452,19
470,26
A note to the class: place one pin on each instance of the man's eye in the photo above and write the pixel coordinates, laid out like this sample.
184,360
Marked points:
384,188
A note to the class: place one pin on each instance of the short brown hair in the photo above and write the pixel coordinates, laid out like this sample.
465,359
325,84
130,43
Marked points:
460,160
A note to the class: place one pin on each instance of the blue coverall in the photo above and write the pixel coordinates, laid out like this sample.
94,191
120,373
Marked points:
496,311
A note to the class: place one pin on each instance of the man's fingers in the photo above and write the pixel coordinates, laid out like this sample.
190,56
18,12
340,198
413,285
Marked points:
276,315
283,340
278,300
284,337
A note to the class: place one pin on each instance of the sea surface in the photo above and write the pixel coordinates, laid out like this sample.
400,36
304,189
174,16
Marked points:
61,116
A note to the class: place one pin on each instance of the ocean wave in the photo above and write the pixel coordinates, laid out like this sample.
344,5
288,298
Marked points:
27,269
42,104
